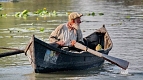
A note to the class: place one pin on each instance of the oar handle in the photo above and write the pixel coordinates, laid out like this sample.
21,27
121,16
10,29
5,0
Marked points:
94,52
82,47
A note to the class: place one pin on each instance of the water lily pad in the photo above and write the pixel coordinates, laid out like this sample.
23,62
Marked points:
101,14
91,14
1,8
128,17
42,29
31,29
22,14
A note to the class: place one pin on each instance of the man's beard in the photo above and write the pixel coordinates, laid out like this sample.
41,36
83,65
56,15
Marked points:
76,26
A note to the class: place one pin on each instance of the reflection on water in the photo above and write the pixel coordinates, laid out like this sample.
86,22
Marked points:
63,75
122,18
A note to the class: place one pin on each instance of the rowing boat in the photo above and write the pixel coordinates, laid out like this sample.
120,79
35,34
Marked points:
45,57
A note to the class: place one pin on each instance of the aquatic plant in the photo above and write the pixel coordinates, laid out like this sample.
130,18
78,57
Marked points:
101,14
41,11
67,13
22,14
93,14
128,17
1,8
45,12
3,15
42,29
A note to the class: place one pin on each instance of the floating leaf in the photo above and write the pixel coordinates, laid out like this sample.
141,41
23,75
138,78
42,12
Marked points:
17,14
38,11
67,13
25,12
4,15
101,14
93,14
22,14
128,17
54,13
89,14
0,5
41,29
1,8
31,29
10,36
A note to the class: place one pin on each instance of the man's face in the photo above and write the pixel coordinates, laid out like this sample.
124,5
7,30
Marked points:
78,20
76,25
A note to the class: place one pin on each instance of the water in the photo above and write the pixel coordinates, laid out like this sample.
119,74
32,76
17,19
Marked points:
122,18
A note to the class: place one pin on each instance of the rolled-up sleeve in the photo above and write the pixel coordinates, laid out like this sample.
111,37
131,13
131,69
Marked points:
54,35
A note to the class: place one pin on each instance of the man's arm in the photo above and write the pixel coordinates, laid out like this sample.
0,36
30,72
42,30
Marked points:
54,35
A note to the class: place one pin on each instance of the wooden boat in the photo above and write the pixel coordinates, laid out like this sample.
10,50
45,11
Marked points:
46,58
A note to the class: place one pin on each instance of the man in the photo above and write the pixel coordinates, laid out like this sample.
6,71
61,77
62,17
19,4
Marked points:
69,33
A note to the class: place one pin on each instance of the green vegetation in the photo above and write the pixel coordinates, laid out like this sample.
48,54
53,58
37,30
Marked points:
39,12
42,29
22,14
93,14
44,13
128,17
3,15
101,14
1,8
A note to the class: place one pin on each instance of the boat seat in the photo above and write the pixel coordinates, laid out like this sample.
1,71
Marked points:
65,48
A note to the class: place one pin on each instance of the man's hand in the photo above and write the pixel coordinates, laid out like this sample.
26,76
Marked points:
73,42
61,43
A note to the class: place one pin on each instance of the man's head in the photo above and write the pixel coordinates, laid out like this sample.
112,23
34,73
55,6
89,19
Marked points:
74,18
74,15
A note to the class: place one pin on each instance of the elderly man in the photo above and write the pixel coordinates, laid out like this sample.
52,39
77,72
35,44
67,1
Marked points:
69,33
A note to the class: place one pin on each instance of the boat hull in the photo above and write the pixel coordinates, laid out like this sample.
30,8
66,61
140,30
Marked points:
46,58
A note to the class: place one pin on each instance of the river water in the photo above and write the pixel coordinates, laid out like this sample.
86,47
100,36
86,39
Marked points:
122,18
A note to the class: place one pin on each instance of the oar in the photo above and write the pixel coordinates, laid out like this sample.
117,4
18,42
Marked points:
119,62
11,53
8,48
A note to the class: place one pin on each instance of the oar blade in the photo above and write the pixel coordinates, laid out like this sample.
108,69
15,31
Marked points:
119,62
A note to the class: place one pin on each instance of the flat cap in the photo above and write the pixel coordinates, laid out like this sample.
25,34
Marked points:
74,15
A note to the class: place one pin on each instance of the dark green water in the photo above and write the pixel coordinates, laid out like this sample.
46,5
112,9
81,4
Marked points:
122,18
